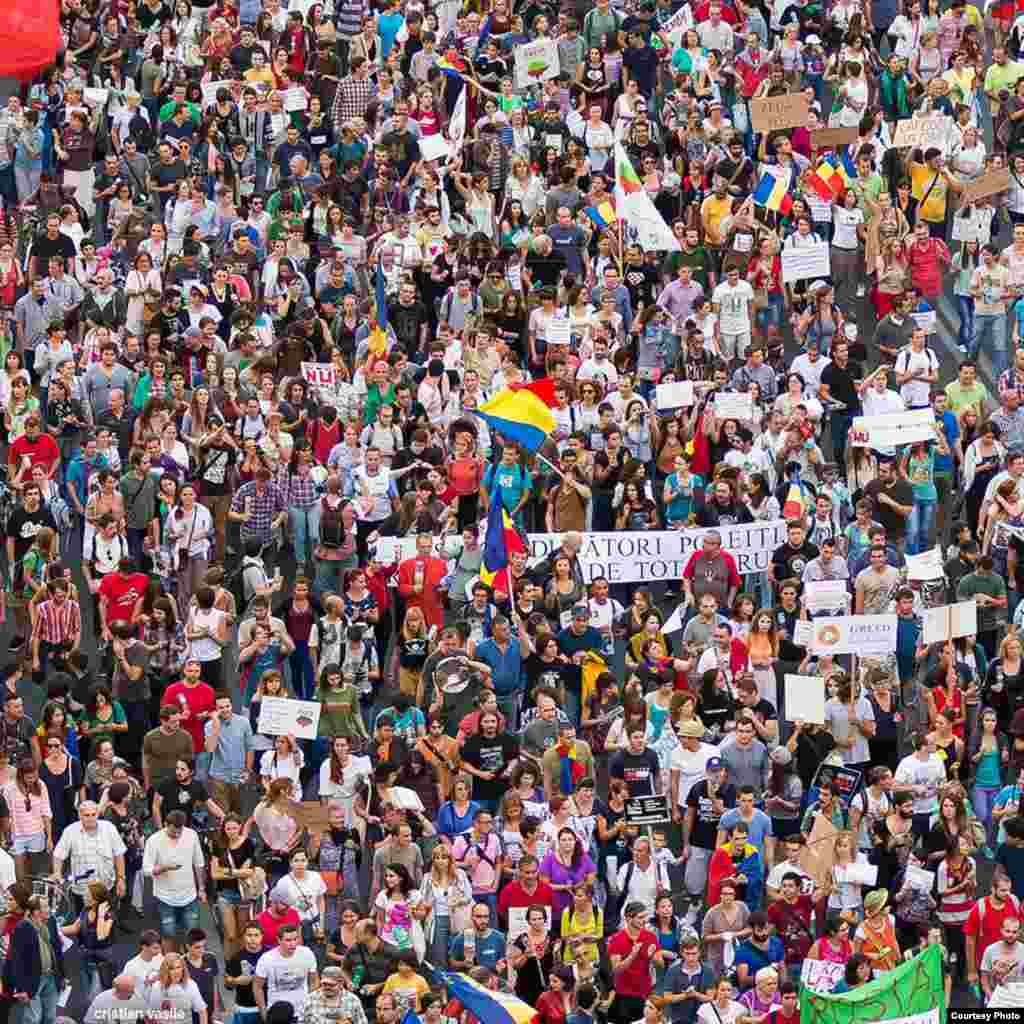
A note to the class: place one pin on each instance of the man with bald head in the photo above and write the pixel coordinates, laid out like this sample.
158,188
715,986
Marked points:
120,1003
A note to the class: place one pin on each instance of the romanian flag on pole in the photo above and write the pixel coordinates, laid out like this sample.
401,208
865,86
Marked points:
452,65
501,540
603,216
522,414
771,193
826,181
488,1007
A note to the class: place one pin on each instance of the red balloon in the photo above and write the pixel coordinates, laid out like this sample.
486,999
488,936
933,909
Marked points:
32,39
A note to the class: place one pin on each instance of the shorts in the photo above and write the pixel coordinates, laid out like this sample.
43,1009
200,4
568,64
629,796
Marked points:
232,897
36,843
174,920
734,346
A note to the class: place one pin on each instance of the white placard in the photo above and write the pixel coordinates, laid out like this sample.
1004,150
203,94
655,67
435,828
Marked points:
975,227
295,98
858,873
734,405
926,321
893,429
1008,996
517,921
826,595
282,716
405,799
926,566
678,24
949,621
211,89
805,261
803,630
920,879
558,331
821,975
536,62
433,147
854,634
676,395
821,209
319,375
96,97
805,699
923,132
637,555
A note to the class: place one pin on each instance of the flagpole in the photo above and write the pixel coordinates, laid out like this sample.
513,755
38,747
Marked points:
622,251
554,469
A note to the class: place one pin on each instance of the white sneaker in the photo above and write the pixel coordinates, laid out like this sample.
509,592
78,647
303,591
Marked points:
860,291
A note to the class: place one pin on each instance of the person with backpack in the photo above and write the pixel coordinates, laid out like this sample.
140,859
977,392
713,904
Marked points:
461,303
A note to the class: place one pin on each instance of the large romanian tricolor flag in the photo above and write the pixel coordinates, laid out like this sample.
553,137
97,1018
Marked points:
488,1007
501,540
522,414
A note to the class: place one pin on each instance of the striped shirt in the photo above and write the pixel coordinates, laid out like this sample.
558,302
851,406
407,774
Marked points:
29,812
56,623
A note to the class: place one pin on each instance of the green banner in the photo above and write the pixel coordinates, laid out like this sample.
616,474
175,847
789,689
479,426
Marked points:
915,987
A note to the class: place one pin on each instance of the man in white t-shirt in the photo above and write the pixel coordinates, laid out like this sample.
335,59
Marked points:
810,364
174,860
642,878
922,772
917,370
145,967
286,973
733,302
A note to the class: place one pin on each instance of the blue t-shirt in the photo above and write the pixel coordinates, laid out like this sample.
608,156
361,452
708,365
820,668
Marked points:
506,669
489,949
681,505
760,826
389,25
512,482
755,959
951,427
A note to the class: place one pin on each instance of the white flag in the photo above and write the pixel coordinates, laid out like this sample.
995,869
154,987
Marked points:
457,124
637,211
675,620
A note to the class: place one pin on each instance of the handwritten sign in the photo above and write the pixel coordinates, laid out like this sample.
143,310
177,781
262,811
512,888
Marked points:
918,878
893,429
96,97
987,185
923,132
949,621
926,566
536,62
319,375
678,23
647,810
800,262
295,98
771,113
826,596
803,632
676,395
828,138
281,716
821,975
734,405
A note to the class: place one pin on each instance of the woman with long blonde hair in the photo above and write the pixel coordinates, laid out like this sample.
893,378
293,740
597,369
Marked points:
414,646
174,990
444,904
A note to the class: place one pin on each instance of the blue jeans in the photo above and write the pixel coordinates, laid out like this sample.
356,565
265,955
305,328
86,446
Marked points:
991,330
303,680
572,706
965,303
839,426
41,1008
438,951
772,314
920,525
177,919
983,798
305,532
330,576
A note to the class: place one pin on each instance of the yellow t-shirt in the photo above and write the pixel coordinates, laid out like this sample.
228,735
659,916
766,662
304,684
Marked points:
934,208
573,926
407,991
712,212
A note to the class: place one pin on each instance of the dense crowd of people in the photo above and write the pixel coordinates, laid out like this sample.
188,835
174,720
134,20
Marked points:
263,268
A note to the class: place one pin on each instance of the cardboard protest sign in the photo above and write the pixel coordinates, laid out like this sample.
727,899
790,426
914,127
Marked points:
770,113
923,132
987,185
536,62
826,138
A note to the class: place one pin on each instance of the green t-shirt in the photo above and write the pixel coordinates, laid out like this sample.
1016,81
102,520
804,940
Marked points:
1003,76
960,397
922,478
